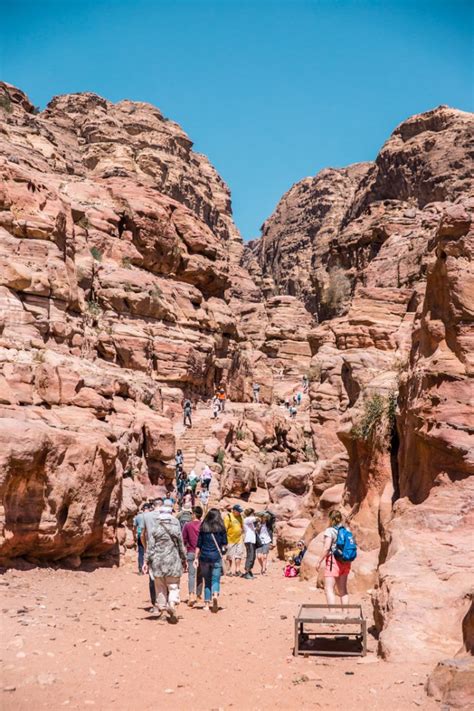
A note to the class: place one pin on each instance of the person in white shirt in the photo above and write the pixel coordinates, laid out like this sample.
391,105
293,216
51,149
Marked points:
204,498
250,538
265,542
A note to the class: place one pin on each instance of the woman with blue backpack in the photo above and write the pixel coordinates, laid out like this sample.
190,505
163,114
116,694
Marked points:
339,552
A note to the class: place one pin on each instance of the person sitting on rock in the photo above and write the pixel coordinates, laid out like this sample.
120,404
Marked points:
336,571
290,571
300,554
187,409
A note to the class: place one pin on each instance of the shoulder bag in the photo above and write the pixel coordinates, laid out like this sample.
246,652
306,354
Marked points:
222,557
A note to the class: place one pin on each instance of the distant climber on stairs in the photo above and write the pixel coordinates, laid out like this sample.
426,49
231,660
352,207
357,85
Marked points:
187,409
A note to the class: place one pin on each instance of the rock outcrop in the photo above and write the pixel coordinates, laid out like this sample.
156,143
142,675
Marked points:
121,292
388,275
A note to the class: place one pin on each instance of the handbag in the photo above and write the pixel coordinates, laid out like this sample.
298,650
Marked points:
225,566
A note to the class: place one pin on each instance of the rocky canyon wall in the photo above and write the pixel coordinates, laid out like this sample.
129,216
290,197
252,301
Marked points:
120,292
384,262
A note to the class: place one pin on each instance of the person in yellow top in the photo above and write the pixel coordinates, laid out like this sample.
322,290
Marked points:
234,526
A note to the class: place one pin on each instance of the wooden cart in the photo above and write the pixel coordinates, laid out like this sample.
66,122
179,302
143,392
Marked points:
346,637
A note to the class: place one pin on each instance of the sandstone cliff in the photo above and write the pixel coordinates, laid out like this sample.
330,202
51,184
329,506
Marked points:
388,273
120,292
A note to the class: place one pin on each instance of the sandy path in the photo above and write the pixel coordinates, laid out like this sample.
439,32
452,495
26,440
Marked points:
79,639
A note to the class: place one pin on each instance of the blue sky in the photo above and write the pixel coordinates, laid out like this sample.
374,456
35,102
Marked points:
270,90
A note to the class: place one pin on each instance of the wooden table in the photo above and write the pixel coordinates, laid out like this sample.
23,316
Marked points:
340,642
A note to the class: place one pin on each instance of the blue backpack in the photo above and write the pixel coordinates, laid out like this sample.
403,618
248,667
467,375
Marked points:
346,548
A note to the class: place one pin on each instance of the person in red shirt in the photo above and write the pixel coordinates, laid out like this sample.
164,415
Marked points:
190,536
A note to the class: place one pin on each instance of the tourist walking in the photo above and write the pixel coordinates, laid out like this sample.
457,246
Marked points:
187,410
256,392
138,527
216,408
250,539
179,459
305,383
265,540
234,526
339,550
206,476
185,515
222,397
204,498
193,480
210,551
149,519
190,539
166,558
181,485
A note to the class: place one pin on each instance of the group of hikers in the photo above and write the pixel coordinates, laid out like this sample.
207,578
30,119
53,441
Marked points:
178,533
205,546
218,402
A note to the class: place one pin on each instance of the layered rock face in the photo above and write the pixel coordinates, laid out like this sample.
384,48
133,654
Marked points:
391,373
120,292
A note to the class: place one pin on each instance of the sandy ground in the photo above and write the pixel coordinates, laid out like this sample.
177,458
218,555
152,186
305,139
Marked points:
85,639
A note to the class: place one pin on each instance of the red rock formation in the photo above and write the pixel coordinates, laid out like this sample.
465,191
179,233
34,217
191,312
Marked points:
120,291
391,373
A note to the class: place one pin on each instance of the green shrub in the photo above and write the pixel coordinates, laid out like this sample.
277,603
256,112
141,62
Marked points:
94,308
240,434
220,456
378,419
338,289
5,103
309,452
156,293
96,253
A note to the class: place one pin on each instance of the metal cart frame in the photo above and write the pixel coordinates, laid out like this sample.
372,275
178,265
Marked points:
353,615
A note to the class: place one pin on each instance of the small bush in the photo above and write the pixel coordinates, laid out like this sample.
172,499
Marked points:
314,374
5,103
156,293
96,253
309,452
36,110
378,419
240,434
126,263
338,289
220,456
94,308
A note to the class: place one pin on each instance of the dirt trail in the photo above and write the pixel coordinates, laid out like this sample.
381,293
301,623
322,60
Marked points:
84,639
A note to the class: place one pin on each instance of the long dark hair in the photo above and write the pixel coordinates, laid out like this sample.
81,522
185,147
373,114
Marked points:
213,522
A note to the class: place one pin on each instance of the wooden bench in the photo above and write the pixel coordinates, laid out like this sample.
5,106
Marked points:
348,639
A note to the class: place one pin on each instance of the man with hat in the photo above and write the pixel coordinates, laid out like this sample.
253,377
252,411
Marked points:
234,527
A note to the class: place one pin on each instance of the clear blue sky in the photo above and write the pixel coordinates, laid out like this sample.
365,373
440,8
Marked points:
271,91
